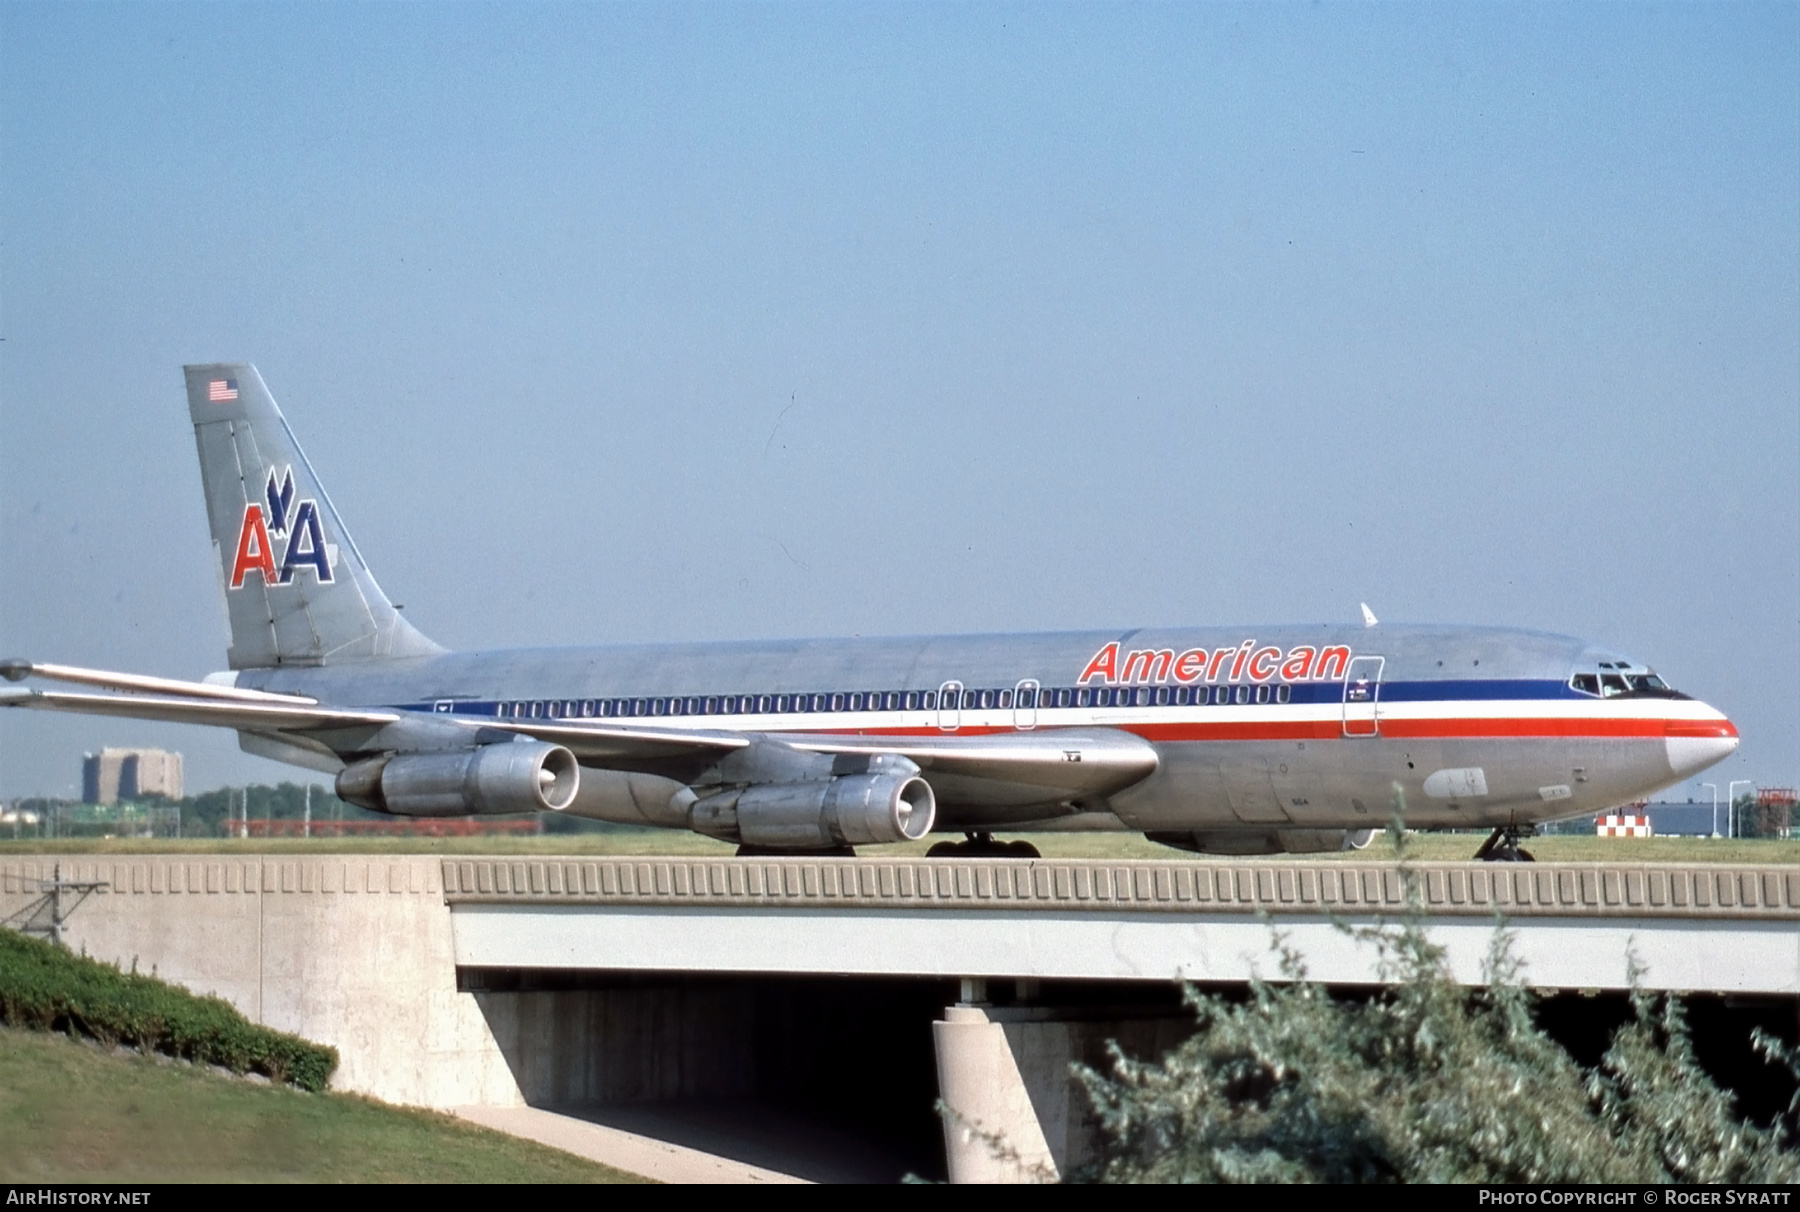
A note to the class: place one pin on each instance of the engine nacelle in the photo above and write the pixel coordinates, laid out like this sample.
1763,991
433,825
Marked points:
889,803
501,778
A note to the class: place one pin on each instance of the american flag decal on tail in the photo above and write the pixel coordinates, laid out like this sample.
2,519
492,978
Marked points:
221,391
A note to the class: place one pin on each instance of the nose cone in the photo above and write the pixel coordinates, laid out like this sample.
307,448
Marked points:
1693,745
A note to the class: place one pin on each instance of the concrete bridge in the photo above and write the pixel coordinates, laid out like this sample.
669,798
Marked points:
862,989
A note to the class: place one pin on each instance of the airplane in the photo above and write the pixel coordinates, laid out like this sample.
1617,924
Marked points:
1216,740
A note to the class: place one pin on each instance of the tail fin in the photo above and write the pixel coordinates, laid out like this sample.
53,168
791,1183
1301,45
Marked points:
296,589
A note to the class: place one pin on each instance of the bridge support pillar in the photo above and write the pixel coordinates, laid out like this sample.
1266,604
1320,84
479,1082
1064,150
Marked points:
1013,1111
1004,1079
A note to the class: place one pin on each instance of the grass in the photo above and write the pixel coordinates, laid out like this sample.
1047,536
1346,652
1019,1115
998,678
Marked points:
70,1112
1430,847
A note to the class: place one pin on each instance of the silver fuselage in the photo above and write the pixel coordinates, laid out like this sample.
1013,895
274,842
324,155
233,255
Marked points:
1449,726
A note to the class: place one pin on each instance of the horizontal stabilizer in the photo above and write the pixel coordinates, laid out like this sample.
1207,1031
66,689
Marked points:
272,715
18,671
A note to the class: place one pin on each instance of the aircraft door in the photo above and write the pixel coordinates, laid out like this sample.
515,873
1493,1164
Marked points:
1025,700
949,706
1362,696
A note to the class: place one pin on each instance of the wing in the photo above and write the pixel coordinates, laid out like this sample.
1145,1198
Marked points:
180,702
1016,768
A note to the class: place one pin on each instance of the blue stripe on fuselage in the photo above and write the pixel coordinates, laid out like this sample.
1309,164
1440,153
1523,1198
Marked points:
1460,690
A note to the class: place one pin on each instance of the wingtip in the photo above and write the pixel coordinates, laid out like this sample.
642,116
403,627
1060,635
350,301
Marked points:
15,670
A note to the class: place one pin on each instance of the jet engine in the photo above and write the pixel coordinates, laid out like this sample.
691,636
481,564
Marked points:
888,803
507,777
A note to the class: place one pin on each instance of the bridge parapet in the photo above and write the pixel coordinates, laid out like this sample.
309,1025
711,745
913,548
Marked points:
1562,890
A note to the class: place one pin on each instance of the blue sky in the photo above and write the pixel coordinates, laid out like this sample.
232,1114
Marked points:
614,323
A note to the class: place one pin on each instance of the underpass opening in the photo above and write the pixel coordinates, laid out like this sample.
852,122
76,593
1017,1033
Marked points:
823,1077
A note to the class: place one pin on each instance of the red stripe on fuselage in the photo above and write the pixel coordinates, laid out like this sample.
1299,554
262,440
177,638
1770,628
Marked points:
1329,730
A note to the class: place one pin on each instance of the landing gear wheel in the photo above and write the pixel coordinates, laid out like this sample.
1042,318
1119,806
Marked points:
1503,846
981,844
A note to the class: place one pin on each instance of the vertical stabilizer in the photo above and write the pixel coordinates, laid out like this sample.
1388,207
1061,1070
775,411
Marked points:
296,589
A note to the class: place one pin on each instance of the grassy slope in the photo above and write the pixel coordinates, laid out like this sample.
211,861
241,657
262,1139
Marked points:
1431,846
70,1112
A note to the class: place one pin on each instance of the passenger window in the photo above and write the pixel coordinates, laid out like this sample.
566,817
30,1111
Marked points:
1262,694
912,700
1006,697
928,700
1283,693
1243,694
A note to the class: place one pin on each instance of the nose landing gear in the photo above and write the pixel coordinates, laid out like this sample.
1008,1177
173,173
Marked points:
1503,846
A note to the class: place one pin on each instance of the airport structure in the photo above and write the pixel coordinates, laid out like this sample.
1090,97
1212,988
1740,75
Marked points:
859,989
128,774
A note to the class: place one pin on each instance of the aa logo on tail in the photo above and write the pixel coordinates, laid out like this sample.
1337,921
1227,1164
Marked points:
281,518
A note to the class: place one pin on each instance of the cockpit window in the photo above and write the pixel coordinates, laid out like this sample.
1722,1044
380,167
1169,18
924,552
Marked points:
1615,679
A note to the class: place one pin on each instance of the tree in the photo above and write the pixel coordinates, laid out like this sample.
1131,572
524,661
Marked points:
1426,1081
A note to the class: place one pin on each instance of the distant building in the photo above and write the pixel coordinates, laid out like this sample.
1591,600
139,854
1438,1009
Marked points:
115,774
1683,820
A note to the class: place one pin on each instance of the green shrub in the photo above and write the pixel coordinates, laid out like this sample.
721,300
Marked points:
45,988
1426,1081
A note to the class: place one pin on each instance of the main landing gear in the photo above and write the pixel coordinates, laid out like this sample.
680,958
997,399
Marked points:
1503,846
981,844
